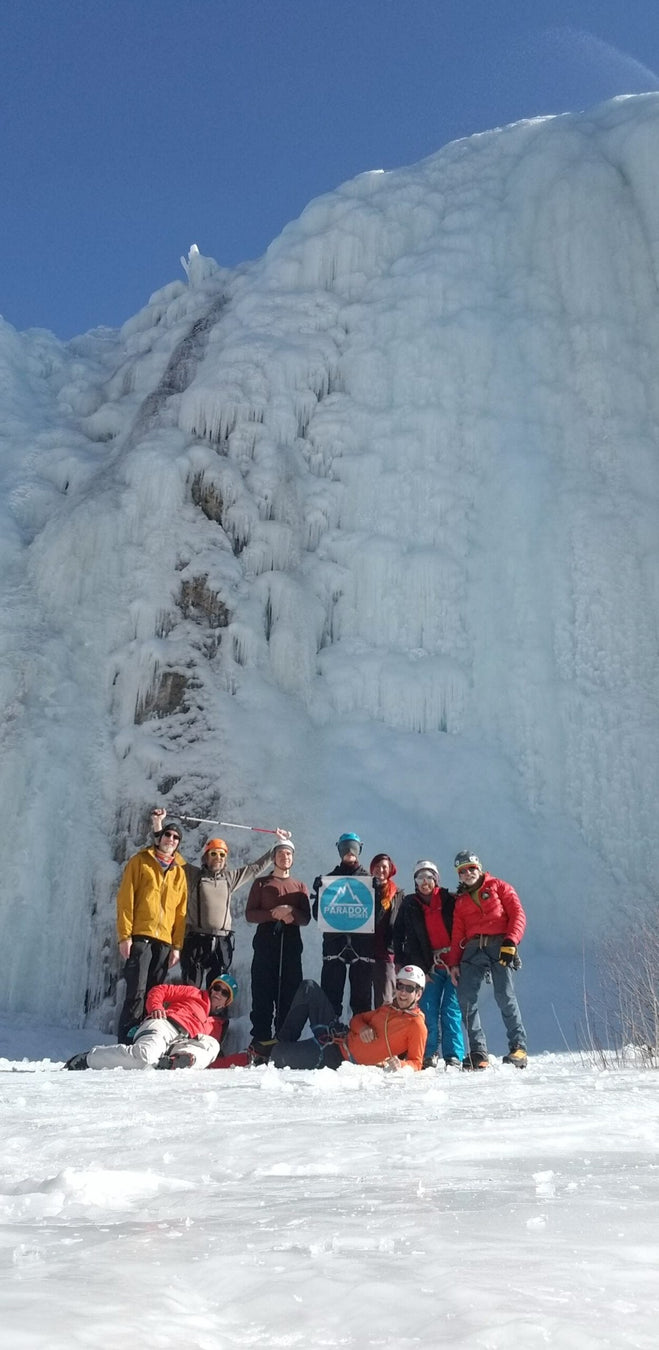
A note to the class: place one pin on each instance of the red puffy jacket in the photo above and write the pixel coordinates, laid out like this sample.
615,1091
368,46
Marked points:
494,908
185,1006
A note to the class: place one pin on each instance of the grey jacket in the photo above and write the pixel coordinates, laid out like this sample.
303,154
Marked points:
209,895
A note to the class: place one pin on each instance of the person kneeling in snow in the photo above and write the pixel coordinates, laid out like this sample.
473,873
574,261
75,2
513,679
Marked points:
183,1029
390,1036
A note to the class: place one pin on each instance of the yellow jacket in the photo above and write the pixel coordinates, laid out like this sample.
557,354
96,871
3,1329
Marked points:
151,902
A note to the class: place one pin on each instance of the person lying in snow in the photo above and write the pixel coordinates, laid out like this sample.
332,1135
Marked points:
183,1029
391,1036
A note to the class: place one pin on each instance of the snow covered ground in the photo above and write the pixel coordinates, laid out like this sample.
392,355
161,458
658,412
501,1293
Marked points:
350,1209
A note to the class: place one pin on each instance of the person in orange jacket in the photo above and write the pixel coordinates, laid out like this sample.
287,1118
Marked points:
391,1036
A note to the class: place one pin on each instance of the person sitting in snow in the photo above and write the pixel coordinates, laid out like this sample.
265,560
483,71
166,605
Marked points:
208,944
488,925
347,952
151,906
279,905
183,1029
390,1037
422,935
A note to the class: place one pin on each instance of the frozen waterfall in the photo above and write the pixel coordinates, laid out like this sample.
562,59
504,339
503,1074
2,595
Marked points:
362,535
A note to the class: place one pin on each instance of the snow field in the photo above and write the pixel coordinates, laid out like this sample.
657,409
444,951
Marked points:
266,1208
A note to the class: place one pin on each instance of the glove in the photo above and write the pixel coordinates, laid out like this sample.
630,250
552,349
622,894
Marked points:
507,953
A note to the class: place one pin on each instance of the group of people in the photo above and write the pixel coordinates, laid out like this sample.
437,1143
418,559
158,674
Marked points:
414,981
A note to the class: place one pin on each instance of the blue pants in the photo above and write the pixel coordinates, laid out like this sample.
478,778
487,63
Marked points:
439,1005
476,961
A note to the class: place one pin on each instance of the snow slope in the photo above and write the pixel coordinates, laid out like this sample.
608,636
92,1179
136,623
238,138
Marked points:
257,1207
359,536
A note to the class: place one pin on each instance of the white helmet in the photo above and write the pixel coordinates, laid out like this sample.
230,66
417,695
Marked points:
425,865
413,975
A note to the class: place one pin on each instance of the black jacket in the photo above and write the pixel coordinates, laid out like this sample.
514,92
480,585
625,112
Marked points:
363,944
411,942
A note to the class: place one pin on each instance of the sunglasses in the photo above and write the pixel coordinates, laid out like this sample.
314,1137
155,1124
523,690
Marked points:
171,834
215,853
471,867
405,988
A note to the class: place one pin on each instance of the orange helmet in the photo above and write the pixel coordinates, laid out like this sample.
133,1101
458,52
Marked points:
218,844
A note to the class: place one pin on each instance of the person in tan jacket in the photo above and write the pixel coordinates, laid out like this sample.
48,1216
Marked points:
151,905
209,939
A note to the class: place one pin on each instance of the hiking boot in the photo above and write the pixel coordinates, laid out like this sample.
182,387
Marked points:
326,1035
452,1062
182,1060
516,1056
78,1061
475,1060
260,1051
338,1030
430,1062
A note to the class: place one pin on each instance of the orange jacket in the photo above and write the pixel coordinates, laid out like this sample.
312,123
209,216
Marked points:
396,1033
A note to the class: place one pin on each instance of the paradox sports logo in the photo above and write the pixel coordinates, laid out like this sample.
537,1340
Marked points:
346,905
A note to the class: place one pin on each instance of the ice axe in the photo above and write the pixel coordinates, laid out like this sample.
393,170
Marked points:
225,824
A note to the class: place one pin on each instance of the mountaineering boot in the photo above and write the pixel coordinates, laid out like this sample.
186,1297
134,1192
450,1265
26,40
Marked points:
260,1051
78,1061
516,1056
326,1035
181,1060
452,1062
475,1060
430,1062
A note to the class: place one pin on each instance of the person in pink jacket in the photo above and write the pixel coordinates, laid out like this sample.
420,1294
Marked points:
488,925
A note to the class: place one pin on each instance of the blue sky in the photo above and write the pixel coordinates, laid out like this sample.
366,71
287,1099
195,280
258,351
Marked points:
133,128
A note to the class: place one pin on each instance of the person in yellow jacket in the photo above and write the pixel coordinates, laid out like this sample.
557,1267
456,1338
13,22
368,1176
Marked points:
151,904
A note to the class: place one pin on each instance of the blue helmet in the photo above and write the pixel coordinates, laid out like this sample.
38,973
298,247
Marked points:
228,982
349,843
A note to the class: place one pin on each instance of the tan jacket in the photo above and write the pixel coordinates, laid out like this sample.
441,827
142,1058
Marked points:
152,902
209,894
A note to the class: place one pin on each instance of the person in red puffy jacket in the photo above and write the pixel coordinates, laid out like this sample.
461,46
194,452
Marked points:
183,1029
488,925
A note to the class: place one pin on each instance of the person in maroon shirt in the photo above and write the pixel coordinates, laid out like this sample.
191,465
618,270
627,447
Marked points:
279,906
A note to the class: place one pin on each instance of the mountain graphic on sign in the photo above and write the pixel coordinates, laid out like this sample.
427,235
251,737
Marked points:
344,901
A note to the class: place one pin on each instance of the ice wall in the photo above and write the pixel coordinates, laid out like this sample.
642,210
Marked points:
362,535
